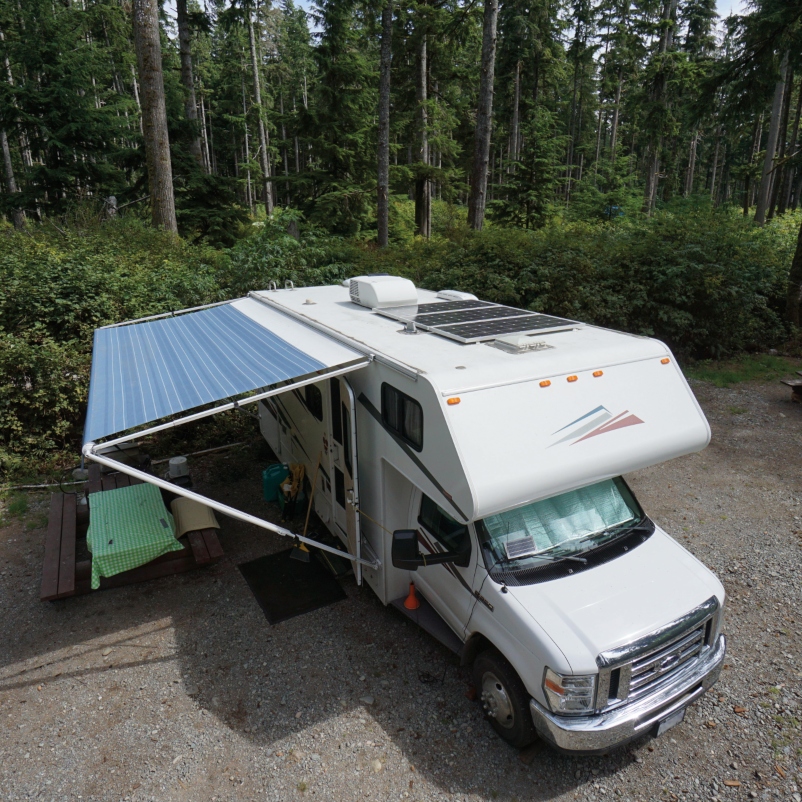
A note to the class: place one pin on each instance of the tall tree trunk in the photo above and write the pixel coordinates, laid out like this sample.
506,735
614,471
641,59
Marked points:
207,150
383,156
656,144
652,173
267,187
691,165
781,169
423,187
17,215
484,118
771,145
788,173
515,127
154,114
715,165
25,149
249,193
599,126
614,132
747,192
188,79
284,149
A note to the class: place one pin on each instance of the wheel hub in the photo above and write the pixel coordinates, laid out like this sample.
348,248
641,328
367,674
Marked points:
496,701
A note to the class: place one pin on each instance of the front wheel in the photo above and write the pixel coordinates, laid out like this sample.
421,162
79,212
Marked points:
504,699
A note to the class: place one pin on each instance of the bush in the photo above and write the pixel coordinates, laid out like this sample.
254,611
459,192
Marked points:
707,282
57,289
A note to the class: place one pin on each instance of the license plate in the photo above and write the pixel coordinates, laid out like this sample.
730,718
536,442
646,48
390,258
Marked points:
669,721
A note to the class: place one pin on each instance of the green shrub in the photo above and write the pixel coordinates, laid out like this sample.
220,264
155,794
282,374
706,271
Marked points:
272,253
707,282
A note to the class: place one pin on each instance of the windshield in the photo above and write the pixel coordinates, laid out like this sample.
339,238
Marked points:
560,526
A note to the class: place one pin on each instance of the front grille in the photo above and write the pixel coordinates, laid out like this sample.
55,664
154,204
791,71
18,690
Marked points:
653,670
636,670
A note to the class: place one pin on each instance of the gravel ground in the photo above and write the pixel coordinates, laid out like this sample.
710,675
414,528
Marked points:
179,689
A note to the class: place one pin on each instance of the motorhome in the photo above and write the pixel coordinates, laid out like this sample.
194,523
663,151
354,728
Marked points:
478,451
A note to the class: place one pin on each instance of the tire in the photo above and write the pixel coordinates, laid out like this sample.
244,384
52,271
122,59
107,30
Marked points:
504,699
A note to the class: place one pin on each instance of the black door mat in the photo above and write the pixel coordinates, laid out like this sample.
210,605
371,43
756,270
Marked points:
338,567
285,588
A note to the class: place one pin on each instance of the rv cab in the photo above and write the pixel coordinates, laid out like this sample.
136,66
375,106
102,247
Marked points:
479,456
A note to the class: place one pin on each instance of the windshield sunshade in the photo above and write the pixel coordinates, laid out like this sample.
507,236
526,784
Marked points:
557,521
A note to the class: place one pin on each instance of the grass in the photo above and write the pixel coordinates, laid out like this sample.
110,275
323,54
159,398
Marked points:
750,368
18,505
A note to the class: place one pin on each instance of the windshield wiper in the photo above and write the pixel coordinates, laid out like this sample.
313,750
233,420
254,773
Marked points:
644,525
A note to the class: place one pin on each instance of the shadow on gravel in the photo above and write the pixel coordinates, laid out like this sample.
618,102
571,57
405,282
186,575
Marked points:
339,674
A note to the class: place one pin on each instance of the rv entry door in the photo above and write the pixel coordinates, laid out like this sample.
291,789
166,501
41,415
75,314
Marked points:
344,473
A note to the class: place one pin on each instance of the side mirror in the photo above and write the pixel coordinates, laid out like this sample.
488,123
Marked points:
405,554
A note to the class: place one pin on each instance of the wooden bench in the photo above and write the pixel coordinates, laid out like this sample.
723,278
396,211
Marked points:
63,575
796,387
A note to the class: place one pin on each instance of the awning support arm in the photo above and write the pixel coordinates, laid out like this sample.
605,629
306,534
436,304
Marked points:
89,453
347,368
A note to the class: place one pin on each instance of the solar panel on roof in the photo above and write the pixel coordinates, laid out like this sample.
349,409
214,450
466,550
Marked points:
432,320
487,330
475,321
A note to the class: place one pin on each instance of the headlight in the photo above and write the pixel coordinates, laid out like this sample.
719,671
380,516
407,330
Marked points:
570,694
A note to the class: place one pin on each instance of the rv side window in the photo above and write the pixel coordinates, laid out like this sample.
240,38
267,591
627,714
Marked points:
314,400
452,534
403,415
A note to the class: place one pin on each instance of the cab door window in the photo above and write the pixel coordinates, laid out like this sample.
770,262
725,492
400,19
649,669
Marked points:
453,535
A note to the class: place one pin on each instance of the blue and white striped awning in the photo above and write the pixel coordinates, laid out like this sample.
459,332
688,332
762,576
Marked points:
142,372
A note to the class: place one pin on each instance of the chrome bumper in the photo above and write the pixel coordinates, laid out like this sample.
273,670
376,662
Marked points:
602,732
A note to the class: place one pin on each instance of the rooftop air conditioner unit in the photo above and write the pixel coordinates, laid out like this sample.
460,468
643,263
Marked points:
383,292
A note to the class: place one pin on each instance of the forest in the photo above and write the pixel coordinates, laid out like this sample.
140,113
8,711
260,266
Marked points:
633,163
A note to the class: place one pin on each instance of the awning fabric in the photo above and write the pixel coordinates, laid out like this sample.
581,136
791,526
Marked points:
145,371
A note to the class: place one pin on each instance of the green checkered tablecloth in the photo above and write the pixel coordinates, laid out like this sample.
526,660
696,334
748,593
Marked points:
128,527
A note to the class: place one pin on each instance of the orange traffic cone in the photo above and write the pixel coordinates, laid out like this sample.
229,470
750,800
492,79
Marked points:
412,602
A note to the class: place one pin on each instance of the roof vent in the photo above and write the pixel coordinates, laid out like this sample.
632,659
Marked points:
456,295
381,292
520,344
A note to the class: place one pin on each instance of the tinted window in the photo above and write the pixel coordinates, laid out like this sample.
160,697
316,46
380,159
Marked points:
339,487
452,534
314,400
403,415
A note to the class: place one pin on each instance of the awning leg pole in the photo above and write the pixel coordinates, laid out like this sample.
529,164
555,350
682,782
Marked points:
88,452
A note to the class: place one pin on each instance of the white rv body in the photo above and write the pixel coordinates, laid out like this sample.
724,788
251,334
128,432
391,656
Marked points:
503,429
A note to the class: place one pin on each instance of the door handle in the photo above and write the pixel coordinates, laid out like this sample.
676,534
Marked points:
349,497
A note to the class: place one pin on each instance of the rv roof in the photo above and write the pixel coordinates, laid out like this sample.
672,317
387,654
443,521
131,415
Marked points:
455,367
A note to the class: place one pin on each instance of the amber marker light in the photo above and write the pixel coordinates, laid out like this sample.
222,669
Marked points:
665,360
598,373
572,378
452,401
545,383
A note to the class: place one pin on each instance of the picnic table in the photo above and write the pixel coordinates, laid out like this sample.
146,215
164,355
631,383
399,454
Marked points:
129,527
65,573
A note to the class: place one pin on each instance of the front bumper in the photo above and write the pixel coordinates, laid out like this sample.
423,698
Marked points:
602,732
